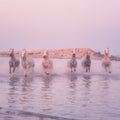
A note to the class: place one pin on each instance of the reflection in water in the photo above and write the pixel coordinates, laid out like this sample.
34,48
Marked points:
87,81
104,91
46,95
47,79
12,93
87,77
27,93
86,100
72,85
26,81
71,76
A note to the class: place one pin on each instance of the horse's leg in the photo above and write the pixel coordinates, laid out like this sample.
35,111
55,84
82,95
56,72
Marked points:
10,69
106,69
25,72
89,69
74,69
86,69
109,69
14,69
71,70
46,71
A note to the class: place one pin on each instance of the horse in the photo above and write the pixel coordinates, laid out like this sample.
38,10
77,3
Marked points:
86,63
13,62
27,63
73,63
106,62
47,64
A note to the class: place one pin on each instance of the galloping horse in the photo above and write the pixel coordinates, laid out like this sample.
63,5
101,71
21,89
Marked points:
27,63
86,63
47,63
73,62
106,62
13,62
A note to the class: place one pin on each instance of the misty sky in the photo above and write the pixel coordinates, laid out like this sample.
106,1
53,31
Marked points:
39,24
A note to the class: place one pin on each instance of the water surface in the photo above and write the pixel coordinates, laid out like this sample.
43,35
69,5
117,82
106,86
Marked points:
60,96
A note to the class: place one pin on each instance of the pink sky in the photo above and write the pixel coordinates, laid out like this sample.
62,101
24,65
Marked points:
38,24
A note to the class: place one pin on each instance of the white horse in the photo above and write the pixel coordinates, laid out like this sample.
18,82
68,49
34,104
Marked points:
13,62
27,63
73,62
106,62
86,62
47,64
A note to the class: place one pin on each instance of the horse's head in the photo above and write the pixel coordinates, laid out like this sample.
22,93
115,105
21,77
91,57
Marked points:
106,51
23,54
45,54
11,52
73,53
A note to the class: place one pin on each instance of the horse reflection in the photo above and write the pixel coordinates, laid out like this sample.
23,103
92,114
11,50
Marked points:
13,62
47,64
72,64
106,62
27,63
86,63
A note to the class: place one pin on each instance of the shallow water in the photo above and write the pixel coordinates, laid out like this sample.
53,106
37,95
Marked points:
60,96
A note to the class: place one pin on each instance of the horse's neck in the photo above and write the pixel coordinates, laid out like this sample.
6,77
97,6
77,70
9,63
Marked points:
24,58
12,57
